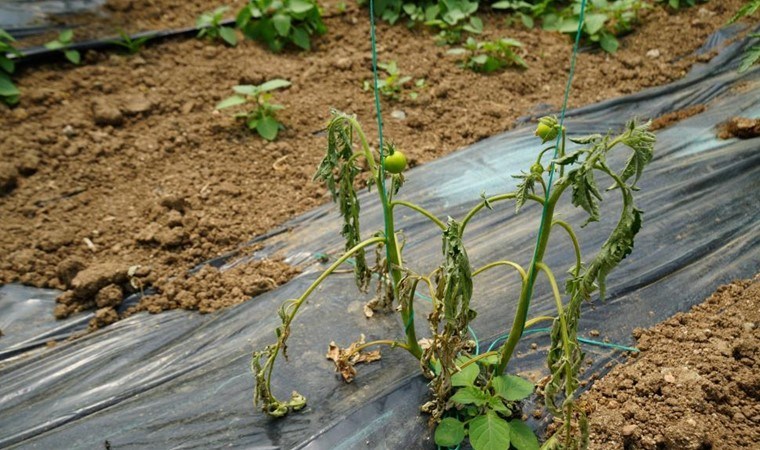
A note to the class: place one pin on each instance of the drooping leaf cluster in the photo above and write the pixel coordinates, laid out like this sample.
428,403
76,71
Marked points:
565,356
338,170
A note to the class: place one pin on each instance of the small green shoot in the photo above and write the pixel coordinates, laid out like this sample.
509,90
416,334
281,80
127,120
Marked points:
210,24
261,115
396,85
131,46
9,93
278,23
490,56
64,41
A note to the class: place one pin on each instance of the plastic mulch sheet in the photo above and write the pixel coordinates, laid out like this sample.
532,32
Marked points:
182,380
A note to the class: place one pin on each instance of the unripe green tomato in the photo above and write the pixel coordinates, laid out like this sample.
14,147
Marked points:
546,132
395,163
537,169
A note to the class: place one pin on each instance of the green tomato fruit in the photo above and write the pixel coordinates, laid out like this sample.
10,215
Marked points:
395,163
537,169
546,132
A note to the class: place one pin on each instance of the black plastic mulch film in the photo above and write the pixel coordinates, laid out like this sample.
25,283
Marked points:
182,380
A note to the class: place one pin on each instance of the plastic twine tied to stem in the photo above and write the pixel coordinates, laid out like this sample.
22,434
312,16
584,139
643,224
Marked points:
563,110
379,116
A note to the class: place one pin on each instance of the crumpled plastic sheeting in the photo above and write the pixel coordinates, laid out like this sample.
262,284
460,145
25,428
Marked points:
182,380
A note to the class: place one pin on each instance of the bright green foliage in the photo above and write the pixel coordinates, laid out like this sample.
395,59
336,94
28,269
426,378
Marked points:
484,407
450,17
278,23
526,11
395,85
521,437
605,19
9,93
748,8
64,41
752,55
130,45
210,24
677,4
262,115
489,432
490,56
449,433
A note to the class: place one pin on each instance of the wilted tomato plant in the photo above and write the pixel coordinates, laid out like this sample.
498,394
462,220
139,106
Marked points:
471,396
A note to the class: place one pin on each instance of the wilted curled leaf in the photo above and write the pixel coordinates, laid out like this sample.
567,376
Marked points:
346,358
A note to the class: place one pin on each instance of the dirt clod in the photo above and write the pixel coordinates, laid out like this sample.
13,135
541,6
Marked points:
8,178
740,127
105,113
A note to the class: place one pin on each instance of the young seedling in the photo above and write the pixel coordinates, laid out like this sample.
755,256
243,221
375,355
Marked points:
395,85
471,394
210,24
131,46
9,93
281,22
261,115
64,41
490,56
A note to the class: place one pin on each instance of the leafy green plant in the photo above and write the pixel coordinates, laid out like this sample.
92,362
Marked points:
9,93
752,55
490,56
678,4
210,24
281,22
604,20
395,85
471,394
450,17
64,41
521,8
261,115
131,46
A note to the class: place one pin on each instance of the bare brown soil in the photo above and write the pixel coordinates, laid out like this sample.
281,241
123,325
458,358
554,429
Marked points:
694,386
123,162
674,117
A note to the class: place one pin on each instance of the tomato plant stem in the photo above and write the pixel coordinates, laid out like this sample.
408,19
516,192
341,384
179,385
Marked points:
516,266
420,210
